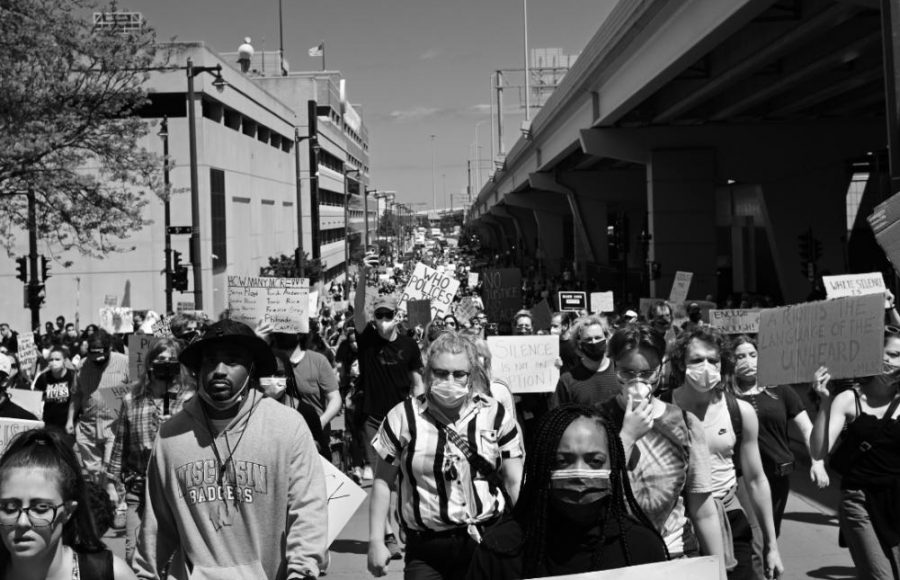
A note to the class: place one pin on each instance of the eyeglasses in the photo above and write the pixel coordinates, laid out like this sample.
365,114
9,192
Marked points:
381,315
630,375
40,515
443,374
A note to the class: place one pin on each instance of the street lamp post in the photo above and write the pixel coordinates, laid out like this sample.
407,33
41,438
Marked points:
433,188
167,211
196,262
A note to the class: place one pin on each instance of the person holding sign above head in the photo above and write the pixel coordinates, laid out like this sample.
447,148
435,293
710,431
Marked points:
460,457
576,511
699,360
666,448
235,488
868,460
593,380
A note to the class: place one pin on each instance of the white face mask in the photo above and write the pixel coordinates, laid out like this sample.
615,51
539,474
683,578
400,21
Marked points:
746,368
702,377
55,364
273,387
449,394
231,401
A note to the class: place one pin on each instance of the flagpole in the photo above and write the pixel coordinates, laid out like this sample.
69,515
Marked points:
281,37
323,55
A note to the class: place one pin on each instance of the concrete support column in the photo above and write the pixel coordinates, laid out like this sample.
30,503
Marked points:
681,204
550,237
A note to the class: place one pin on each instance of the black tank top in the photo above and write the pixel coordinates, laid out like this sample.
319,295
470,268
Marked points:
880,465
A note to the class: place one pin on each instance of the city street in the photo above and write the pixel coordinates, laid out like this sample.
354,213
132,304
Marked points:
808,539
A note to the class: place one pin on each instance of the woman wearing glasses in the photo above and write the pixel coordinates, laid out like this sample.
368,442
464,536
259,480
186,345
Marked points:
665,447
458,453
593,380
869,513
46,524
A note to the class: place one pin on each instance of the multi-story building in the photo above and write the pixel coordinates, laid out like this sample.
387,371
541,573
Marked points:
257,138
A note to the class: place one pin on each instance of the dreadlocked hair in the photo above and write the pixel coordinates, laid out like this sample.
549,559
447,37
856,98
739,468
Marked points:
532,511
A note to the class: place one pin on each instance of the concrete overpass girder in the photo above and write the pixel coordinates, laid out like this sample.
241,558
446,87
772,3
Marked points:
549,182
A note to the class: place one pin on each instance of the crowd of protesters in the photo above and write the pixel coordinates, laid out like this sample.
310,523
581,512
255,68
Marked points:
658,442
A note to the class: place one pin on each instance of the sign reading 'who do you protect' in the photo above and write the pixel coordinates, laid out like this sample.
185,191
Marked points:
283,303
429,284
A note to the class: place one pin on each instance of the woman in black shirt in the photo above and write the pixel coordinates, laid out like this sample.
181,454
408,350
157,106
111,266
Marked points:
56,382
573,510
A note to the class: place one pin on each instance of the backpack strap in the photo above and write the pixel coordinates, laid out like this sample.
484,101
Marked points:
737,423
96,565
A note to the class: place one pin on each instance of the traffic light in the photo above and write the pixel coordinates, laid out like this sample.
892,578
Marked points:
45,268
805,242
816,250
22,268
36,295
179,273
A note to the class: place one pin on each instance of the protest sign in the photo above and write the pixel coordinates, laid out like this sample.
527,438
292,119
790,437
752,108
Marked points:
853,284
680,287
116,320
429,284
844,334
541,316
572,301
184,307
885,223
602,302
526,363
314,303
473,279
344,498
502,293
9,428
112,399
110,300
281,302
705,568
418,312
735,321
31,401
138,346
28,352
466,309
161,328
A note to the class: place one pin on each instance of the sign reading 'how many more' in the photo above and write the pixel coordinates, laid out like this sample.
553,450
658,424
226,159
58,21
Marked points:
281,302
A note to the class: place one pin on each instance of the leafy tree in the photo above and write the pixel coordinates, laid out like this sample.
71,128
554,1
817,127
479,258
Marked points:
286,267
69,129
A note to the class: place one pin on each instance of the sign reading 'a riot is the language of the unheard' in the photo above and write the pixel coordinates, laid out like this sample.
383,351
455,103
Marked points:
526,363
283,303
844,334
429,284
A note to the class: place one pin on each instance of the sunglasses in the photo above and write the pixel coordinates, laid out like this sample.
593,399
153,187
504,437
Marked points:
444,374
384,315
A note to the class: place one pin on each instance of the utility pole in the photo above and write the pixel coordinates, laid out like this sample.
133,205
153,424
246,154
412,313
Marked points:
527,71
167,212
433,187
34,283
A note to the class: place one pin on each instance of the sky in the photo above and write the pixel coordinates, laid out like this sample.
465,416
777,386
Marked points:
417,67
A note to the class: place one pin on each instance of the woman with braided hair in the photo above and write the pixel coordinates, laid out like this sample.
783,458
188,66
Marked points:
576,512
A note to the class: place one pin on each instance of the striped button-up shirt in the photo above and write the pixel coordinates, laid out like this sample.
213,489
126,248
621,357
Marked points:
438,488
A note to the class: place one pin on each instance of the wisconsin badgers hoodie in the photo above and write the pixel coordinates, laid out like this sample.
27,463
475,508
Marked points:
254,507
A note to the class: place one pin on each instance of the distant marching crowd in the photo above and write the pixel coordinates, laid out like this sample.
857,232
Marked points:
658,444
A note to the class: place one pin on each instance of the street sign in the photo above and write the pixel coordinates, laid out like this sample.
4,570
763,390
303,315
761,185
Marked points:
180,230
573,301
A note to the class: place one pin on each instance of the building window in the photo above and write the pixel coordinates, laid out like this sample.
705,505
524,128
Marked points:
217,218
854,197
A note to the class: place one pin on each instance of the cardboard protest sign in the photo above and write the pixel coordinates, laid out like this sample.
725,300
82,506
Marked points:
885,223
112,399
705,568
735,321
9,428
502,293
680,286
28,352
31,401
116,320
844,334
526,363
853,284
282,302
429,284
418,312
314,303
138,346
473,279
344,498
573,301
602,302
541,315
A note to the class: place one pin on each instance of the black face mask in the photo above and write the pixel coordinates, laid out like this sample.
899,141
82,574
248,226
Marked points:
166,371
593,350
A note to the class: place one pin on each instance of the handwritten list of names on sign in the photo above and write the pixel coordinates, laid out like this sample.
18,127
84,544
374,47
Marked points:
281,302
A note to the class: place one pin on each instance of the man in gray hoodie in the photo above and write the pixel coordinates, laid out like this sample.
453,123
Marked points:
235,488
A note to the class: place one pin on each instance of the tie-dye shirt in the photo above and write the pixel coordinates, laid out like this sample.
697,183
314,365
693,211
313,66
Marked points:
673,461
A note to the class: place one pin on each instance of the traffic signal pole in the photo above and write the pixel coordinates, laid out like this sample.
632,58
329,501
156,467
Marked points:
34,281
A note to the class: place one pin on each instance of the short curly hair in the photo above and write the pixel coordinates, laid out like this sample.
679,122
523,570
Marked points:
702,333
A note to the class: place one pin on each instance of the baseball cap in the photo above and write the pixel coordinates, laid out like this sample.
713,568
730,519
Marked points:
386,302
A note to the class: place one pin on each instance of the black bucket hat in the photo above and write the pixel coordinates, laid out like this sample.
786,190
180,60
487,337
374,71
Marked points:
235,333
